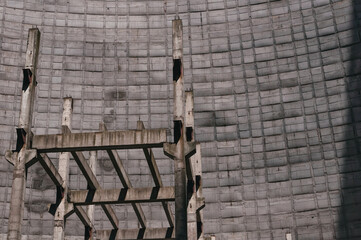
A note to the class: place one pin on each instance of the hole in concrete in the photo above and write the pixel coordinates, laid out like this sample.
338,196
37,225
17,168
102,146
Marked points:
21,138
189,134
198,181
177,130
177,69
27,78
190,186
199,229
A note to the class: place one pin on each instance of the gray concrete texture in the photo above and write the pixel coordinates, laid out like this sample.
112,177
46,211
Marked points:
276,96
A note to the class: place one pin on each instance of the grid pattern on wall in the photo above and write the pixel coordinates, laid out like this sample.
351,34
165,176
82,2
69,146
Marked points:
276,94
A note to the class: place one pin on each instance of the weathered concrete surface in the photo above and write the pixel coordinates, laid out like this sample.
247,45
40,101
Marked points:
99,140
93,185
91,208
18,193
124,195
148,233
123,176
152,164
63,170
180,181
276,92
51,170
25,122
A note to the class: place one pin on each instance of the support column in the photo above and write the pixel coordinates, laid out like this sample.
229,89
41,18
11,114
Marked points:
24,136
192,204
59,220
178,118
90,209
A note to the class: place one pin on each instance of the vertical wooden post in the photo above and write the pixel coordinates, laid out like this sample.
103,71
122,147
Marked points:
59,220
24,136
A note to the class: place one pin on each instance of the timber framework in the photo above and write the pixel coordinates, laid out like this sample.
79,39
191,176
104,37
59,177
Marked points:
185,223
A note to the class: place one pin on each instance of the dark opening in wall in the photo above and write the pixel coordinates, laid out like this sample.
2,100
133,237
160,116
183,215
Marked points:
198,181
27,78
21,138
59,196
189,134
88,232
190,186
177,130
141,233
199,229
177,69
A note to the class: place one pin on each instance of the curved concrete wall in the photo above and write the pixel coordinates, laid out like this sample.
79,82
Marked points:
277,105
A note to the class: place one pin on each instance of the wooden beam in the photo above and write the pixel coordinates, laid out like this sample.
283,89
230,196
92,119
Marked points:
90,141
123,195
141,233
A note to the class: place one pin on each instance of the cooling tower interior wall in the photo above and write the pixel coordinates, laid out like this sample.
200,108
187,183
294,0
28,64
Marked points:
277,106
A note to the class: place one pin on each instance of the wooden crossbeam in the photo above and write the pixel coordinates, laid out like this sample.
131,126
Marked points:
104,140
123,195
141,233
156,177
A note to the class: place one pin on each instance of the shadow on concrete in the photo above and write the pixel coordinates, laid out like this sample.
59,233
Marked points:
349,215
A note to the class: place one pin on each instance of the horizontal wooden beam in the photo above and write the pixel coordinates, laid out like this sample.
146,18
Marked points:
70,142
141,233
123,195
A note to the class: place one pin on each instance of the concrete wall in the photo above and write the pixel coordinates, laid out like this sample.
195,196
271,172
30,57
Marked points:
277,105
